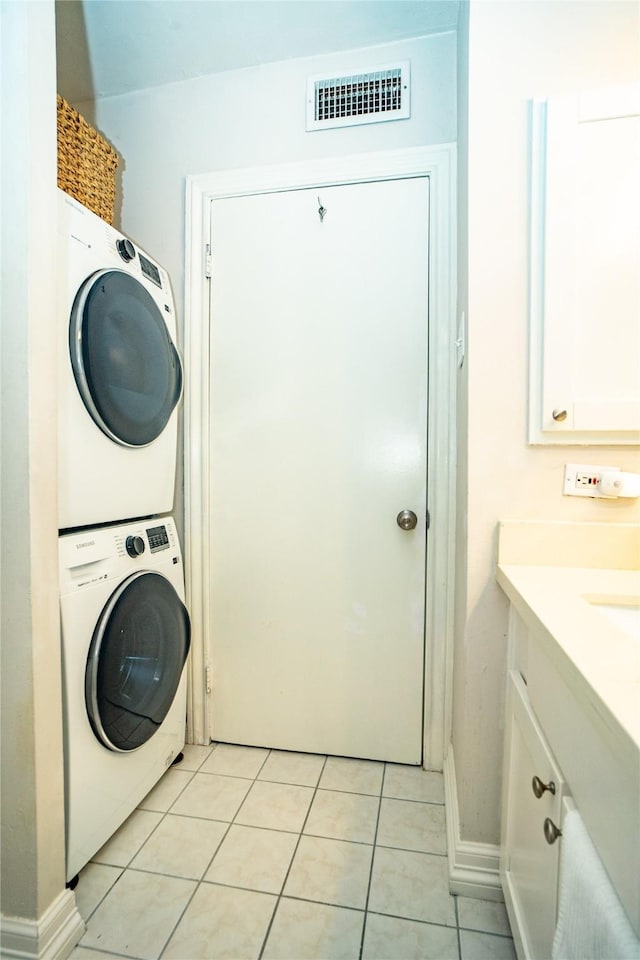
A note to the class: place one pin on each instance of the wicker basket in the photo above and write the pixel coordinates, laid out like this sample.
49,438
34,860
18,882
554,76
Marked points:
86,163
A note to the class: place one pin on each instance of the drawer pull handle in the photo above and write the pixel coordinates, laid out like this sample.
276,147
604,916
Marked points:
551,832
539,787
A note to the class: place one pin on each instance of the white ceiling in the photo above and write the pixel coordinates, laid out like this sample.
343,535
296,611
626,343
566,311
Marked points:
110,47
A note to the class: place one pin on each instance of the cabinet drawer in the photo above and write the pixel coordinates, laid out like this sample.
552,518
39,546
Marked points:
534,791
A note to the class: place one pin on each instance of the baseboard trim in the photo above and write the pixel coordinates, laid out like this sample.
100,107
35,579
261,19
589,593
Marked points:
474,868
52,937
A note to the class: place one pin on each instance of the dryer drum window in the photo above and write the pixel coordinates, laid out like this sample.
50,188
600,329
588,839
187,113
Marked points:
125,364
135,662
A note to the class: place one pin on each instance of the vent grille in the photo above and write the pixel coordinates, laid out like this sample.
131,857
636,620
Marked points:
375,95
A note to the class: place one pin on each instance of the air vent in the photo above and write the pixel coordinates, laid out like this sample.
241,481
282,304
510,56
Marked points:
372,96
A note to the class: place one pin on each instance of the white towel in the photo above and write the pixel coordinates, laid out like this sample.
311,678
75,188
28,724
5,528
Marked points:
592,924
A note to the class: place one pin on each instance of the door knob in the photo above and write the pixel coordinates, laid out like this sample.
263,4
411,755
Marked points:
406,519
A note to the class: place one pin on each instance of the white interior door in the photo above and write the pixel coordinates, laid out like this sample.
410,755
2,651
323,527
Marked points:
318,411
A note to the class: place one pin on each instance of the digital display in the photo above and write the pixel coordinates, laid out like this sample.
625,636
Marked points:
158,539
150,270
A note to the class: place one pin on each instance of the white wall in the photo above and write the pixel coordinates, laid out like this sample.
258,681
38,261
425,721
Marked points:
462,427
516,51
33,871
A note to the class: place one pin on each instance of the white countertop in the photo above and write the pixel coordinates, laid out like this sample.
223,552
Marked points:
554,573
555,602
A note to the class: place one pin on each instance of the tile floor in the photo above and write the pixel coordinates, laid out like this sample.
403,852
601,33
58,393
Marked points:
247,853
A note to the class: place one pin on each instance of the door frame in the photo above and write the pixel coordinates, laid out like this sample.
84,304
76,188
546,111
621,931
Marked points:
438,164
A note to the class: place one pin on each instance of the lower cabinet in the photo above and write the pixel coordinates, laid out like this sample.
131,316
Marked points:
533,790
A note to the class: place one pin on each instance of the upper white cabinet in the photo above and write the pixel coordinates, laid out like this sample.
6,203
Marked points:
585,276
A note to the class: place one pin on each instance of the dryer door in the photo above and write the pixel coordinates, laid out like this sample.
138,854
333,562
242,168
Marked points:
135,662
126,366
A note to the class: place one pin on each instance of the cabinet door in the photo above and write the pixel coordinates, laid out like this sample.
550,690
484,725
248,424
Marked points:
585,309
528,863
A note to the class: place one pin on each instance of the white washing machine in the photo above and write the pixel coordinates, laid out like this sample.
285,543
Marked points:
120,375
125,640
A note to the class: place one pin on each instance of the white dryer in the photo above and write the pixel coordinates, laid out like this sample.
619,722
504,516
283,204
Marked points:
120,375
125,640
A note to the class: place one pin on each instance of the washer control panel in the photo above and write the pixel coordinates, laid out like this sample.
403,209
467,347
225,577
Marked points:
158,538
89,558
134,541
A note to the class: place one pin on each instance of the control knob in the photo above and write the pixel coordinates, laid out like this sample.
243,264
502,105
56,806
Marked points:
135,546
126,249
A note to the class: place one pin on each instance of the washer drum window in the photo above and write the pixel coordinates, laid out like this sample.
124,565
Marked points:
126,366
138,650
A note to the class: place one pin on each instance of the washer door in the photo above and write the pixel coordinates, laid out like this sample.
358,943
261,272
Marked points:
126,367
135,662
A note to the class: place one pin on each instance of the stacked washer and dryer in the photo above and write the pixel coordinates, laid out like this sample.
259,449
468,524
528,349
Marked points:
125,628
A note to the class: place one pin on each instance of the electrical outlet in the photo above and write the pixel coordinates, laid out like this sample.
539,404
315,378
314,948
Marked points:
581,480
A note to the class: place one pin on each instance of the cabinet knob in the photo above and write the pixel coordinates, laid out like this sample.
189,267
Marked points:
559,414
539,787
551,832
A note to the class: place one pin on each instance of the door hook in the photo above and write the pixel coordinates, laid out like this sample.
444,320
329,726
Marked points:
321,210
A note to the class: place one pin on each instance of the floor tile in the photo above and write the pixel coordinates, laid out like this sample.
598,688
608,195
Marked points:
485,946
412,783
127,840
167,790
222,923
213,864
194,756
96,879
212,797
330,871
343,816
389,938
275,806
489,916
253,858
232,761
181,847
354,776
309,931
301,768
411,885
412,826
138,914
